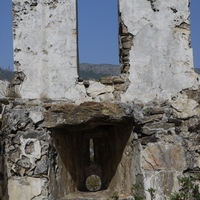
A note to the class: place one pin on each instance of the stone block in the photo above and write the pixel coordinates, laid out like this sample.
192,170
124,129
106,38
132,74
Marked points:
160,156
157,127
185,108
97,88
25,188
42,166
36,116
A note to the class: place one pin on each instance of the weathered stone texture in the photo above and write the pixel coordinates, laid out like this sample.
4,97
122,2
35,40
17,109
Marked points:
27,188
161,60
146,144
164,157
139,128
45,47
154,47
88,113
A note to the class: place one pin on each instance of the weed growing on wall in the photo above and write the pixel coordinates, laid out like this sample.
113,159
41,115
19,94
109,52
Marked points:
189,189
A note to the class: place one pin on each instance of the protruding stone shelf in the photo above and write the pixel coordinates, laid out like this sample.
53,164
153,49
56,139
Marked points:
92,114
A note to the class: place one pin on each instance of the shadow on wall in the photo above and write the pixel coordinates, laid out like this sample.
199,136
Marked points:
75,157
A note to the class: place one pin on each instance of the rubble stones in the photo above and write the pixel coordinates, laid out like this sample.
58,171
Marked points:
42,166
165,144
153,131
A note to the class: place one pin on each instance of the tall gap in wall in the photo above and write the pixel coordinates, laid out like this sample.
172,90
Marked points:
195,32
98,38
6,40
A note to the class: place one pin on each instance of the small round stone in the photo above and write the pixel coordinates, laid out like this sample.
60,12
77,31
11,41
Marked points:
93,183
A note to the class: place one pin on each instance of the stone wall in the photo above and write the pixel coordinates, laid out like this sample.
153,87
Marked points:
45,147
161,60
45,47
154,45
144,124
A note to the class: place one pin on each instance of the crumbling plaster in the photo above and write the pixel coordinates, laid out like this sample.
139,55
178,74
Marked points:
160,138
152,145
155,53
45,47
161,58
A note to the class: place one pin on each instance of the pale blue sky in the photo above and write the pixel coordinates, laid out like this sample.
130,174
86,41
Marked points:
98,30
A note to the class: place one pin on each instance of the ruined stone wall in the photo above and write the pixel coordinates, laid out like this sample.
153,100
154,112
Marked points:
45,47
144,123
150,145
154,45
161,60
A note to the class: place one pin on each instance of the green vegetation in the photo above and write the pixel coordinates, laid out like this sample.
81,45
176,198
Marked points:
114,196
189,189
137,190
146,111
90,75
152,193
93,183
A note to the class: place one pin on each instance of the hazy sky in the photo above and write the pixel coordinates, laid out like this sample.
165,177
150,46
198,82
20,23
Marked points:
98,26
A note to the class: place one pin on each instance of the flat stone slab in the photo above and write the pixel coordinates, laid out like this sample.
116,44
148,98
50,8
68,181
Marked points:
88,113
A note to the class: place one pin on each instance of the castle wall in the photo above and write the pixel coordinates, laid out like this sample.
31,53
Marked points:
148,146
155,53
45,47
149,142
161,59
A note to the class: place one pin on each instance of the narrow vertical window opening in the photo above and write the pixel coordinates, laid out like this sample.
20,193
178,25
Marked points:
91,151
6,46
195,32
6,38
98,38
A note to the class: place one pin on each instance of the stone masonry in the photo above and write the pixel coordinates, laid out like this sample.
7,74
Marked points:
124,137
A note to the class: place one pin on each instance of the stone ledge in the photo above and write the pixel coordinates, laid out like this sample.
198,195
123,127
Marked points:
88,113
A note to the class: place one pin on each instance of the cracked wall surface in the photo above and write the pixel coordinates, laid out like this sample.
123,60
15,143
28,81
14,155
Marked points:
45,147
161,60
154,48
45,47
147,119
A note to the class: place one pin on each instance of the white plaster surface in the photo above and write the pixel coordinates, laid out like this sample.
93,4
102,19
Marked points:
36,154
25,188
161,60
3,88
45,47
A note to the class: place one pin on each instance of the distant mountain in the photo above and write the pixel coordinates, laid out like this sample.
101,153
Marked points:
6,74
87,71
96,71
197,70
